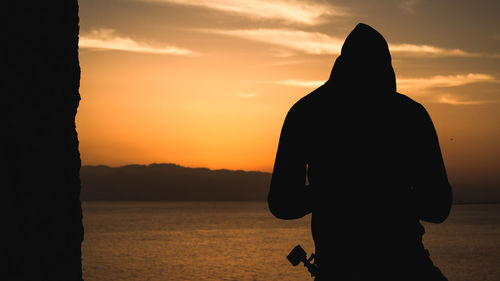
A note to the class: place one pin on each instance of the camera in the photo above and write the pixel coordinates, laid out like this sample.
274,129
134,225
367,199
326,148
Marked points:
298,255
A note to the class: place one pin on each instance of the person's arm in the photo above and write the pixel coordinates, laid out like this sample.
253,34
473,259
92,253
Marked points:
431,189
289,198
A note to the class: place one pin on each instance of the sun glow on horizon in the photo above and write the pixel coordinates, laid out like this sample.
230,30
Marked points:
208,84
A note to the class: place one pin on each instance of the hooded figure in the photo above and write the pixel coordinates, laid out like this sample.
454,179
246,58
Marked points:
365,161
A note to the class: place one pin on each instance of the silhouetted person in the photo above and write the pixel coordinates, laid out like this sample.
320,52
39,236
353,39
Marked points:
374,167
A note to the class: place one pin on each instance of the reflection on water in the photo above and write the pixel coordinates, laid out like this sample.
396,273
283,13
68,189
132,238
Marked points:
242,241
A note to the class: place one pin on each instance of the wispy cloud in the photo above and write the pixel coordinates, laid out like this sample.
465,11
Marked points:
427,50
412,84
288,10
302,83
447,99
432,86
307,42
408,5
246,95
320,43
106,39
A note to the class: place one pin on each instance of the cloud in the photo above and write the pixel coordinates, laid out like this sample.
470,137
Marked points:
322,44
106,39
302,83
412,84
453,101
427,85
421,85
307,42
408,5
246,95
287,10
427,50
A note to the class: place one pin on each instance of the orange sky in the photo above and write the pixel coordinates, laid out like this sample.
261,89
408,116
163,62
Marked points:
208,83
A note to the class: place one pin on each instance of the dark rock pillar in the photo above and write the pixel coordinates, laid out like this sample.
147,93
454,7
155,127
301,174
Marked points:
41,215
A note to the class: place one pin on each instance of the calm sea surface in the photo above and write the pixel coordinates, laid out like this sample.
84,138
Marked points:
242,241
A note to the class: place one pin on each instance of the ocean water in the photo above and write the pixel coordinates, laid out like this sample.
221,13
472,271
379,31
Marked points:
243,241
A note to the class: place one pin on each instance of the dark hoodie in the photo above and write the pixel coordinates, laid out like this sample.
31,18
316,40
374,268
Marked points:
374,167
364,58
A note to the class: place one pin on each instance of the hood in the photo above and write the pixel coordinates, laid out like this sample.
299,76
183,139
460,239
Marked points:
364,64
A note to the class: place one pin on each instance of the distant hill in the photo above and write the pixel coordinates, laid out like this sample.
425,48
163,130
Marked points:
479,193
170,182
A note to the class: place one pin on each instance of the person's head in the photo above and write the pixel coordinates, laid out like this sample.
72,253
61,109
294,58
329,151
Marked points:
364,62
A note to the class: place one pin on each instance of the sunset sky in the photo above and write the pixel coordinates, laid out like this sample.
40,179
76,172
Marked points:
208,83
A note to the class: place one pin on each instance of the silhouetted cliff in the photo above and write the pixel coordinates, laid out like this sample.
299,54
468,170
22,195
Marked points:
171,182
41,212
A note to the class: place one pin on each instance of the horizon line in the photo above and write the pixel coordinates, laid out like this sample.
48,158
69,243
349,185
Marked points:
178,165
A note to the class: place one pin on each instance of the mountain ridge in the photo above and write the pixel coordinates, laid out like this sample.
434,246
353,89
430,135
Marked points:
173,182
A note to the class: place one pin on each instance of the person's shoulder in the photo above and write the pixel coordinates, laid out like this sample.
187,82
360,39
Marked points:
413,111
307,103
409,104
